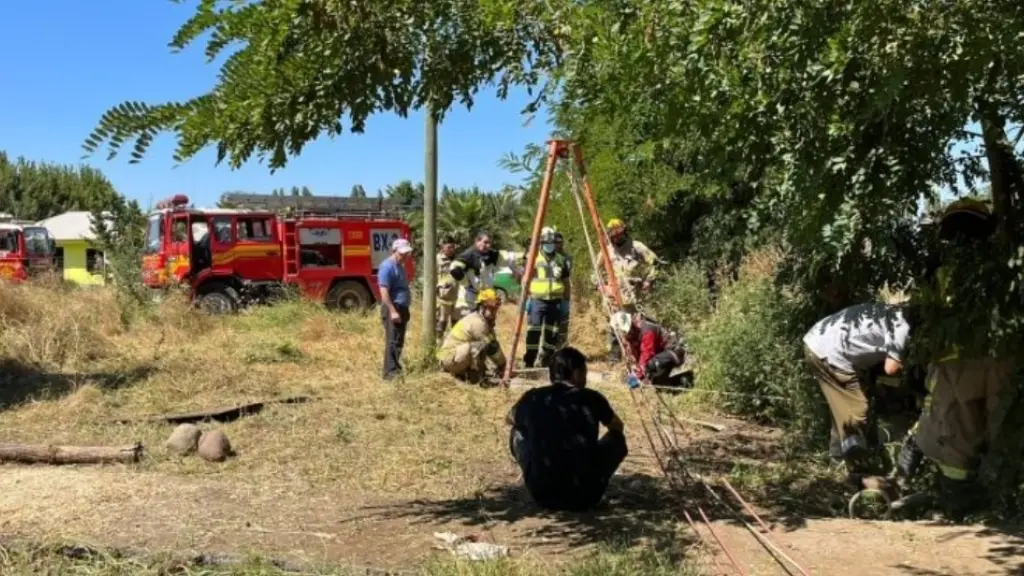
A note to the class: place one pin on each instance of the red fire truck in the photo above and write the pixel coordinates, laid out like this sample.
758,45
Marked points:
328,248
25,250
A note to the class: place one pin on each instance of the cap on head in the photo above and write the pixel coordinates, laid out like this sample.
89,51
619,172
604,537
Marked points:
621,322
401,245
488,297
615,223
547,235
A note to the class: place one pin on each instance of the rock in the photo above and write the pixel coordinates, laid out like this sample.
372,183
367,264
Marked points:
214,446
184,439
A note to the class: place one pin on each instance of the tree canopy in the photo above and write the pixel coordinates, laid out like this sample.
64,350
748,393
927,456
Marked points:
37,190
825,126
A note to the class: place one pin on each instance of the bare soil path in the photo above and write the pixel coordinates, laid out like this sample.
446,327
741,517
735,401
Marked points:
123,508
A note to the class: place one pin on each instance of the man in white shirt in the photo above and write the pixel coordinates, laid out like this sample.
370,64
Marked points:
842,351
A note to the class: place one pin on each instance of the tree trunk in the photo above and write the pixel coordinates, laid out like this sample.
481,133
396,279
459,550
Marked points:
1005,172
48,454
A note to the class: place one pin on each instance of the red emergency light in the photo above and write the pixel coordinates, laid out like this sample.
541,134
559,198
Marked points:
175,201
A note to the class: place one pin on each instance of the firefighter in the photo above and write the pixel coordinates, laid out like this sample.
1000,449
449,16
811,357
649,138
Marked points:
563,327
961,415
654,350
447,287
636,268
474,270
472,342
548,287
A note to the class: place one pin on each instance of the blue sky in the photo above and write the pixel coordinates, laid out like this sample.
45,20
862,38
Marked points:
67,61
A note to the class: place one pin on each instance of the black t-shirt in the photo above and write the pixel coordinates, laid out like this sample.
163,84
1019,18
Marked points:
560,426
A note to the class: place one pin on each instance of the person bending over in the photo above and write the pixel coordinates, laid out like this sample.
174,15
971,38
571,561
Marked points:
554,437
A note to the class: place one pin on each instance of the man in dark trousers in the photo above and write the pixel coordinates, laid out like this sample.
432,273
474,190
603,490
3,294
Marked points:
394,306
554,437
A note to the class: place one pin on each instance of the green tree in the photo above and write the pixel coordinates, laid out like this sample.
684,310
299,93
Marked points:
306,191
301,68
405,192
37,190
358,191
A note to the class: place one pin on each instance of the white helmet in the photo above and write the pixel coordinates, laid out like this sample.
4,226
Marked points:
621,322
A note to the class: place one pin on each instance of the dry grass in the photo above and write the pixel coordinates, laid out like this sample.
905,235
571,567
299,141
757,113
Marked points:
425,449
58,560
71,368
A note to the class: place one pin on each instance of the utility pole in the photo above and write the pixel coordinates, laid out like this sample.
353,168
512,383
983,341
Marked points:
430,232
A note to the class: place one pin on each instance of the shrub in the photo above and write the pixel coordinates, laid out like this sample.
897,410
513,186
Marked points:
682,297
749,351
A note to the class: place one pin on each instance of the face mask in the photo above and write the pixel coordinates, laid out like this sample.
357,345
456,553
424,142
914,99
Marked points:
547,248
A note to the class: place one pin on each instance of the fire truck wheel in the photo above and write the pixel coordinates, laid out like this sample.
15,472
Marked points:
219,300
349,296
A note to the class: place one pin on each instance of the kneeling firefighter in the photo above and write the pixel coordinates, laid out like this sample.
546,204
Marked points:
472,342
962,415
655,350
548,287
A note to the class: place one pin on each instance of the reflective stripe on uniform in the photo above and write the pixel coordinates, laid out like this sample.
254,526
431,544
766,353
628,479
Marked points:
952,472
547,282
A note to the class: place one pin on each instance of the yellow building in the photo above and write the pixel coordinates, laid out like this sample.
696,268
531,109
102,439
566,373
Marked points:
78,258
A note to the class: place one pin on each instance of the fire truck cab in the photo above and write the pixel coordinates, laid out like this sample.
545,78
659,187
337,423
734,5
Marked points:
25,251
234,257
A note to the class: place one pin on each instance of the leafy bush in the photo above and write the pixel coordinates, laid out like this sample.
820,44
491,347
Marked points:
748,350
682,298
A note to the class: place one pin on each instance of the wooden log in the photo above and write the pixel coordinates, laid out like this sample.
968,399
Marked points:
50,454
220,414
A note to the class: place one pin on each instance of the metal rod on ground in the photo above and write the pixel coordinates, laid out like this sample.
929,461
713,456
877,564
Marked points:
430,234
720,542
554,148
750,510
702,540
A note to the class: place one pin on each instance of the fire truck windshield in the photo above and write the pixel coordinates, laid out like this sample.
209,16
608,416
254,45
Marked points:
154,234
38,242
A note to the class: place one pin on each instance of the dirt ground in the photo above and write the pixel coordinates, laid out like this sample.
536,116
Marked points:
312,524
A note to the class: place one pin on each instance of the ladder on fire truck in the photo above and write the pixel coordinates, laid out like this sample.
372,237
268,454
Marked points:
291,249
657,417
345,207
295,208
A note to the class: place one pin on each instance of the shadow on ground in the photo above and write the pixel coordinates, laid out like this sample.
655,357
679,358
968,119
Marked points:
21,383
636,509
1007,555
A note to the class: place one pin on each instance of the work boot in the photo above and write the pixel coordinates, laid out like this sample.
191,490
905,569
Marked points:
909,459
958,498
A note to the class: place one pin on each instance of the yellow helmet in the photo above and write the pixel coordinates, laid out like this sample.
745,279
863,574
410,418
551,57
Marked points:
615,223
488,297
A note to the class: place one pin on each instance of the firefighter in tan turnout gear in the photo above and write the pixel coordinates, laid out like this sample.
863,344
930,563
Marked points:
961,415
447,287
472,342
636,268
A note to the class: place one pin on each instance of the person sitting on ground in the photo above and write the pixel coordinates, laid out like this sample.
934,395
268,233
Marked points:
844,351
472,342
654,350
554,437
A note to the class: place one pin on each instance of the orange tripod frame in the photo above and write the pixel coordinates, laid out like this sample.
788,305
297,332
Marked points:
557,150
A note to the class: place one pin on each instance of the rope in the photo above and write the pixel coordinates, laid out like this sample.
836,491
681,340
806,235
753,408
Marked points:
669,443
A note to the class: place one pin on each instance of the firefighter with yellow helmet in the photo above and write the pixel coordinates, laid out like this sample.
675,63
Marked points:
472,341
549,285
961,415
636,268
